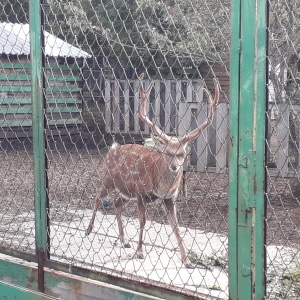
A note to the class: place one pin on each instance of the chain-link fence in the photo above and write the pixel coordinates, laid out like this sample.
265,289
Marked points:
94,54
282,193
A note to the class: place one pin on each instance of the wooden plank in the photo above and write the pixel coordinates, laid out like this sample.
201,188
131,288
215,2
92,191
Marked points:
146,127
9,65
198,89
62,109
60,89
16,101
136,91
188,123
168,106
27,88
298,142
178,96
211,138
189,91
15,110
28,133
201,141
15,88
282,130
221,116
278,174
65,122
68,78
126,106
64,100
116,111
296,107
184,119
157,100
28,123
28,109
138,129
16,77
270,133
26,77
72,67
107,99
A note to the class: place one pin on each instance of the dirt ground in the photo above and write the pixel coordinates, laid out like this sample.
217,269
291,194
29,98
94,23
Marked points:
74,174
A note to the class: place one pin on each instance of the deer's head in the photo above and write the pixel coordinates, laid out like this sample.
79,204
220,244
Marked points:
174,150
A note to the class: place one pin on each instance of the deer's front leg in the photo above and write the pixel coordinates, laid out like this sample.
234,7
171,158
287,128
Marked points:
119,208
142,219
172,219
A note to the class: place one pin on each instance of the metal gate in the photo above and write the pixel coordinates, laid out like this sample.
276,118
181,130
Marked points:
70,75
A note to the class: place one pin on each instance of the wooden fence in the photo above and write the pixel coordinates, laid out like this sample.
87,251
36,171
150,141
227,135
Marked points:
62,92
283,142
177,108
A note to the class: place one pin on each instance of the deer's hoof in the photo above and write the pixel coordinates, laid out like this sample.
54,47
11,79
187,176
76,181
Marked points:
189,265
88,231
140,256
127,245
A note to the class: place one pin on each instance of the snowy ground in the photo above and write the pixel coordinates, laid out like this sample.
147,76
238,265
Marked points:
102,251
162,261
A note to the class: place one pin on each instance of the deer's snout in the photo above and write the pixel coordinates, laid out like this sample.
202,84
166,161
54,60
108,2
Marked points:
174,168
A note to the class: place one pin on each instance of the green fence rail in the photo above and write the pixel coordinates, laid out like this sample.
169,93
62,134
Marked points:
247,133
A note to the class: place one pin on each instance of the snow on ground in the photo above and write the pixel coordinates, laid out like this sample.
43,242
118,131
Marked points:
102,251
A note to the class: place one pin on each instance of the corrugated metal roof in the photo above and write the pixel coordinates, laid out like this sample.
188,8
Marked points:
15,40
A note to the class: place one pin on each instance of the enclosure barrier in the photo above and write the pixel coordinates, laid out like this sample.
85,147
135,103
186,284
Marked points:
70,97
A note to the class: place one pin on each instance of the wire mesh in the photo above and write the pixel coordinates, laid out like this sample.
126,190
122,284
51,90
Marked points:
16,176
94,52
172,43
282,219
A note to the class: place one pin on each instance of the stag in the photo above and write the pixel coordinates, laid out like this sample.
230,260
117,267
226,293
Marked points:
137,172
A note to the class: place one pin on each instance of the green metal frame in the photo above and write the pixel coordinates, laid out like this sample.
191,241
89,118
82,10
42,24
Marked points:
24,275
247,150
23,284
38,128
10,291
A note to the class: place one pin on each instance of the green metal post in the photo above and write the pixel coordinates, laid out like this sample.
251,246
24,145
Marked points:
38,126
247,150
259,177
233,147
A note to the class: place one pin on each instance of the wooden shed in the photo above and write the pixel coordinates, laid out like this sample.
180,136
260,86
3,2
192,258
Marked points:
63,83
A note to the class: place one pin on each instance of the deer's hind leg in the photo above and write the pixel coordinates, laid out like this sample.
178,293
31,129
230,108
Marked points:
142,219
119,208
102,192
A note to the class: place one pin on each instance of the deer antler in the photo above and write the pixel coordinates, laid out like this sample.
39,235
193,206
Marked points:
213,105
143,112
